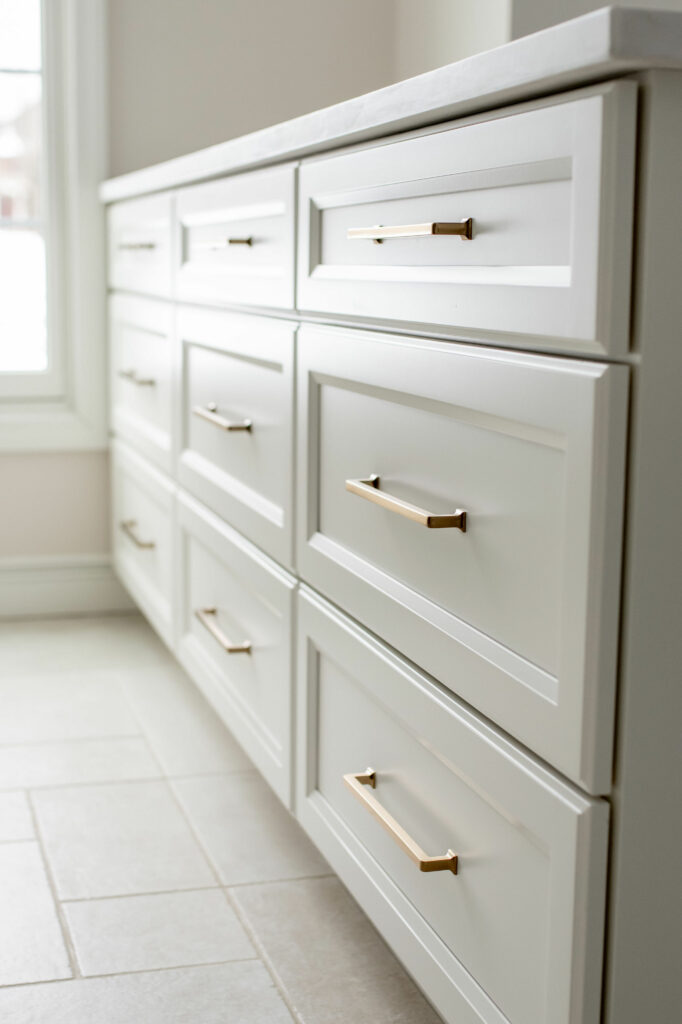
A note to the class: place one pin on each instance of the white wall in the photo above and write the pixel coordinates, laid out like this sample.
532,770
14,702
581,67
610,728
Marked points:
532,15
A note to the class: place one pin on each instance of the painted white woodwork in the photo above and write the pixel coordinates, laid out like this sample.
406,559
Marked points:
608,43
253,601
140,245
141,358
142,536
518,615
515,935
242,369
236,240
550,194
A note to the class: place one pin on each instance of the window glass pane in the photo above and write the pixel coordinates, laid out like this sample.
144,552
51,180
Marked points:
23,334
20,145
20,34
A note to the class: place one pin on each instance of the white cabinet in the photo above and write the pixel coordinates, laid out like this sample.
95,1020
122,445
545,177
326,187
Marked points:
139,233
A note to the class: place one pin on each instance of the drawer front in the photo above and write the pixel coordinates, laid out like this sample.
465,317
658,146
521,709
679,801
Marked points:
142,375
237,424
140,245
549,193
515,935
142,531
514,607
235,637
236,242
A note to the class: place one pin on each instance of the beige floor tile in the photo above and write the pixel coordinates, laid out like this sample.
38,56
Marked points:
185,733
31,943
27,766
138,933
16,821
238,993
334,966
118,839
64,706
246,831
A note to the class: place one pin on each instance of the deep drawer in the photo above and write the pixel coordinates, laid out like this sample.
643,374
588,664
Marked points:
549,194
515,935
142,375
142,536
237,424
235,637
513,606
236,240
140,245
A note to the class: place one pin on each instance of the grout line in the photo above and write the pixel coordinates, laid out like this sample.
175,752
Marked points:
135,895
277,881
62,741
61,916
125,974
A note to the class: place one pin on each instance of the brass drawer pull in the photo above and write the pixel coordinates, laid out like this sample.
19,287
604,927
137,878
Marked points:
136,246
369,490
210,414
221,243
207,618
128,527
377,233
357,784
141,382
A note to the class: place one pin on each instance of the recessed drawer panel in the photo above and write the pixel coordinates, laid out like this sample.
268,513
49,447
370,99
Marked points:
484,870
466,506
235,637
140,245
142,529
516,229
141,362
237,435
236,242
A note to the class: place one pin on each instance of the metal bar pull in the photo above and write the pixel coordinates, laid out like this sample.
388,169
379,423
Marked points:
369,490
241,241
128,527
357,784
210,413
141,382
378,232
136,246
207,618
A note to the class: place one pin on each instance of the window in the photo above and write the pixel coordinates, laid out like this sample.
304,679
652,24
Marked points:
52,150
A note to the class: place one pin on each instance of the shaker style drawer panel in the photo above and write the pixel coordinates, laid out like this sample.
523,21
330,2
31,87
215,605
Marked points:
140,245
236,243
236,433
465,505
235,637
484,870
516,229
142,536
142,375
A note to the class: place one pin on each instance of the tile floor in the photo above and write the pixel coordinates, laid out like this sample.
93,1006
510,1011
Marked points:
147,873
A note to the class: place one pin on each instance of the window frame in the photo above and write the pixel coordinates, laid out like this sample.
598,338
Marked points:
64,407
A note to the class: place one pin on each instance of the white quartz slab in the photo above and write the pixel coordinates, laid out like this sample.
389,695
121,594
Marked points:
603,44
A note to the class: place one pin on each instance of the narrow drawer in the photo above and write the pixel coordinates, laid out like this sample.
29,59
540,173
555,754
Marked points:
236,242
513,606
140,245
514,936
237,434
235,637
548,196
142,377
142,529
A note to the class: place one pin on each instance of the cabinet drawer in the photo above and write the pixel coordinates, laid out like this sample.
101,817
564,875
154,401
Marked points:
517,612
237,435
142,531
236,241
515,935
141,366
235,637
549,193
140,245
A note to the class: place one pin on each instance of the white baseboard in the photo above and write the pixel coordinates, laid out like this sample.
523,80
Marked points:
63,585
